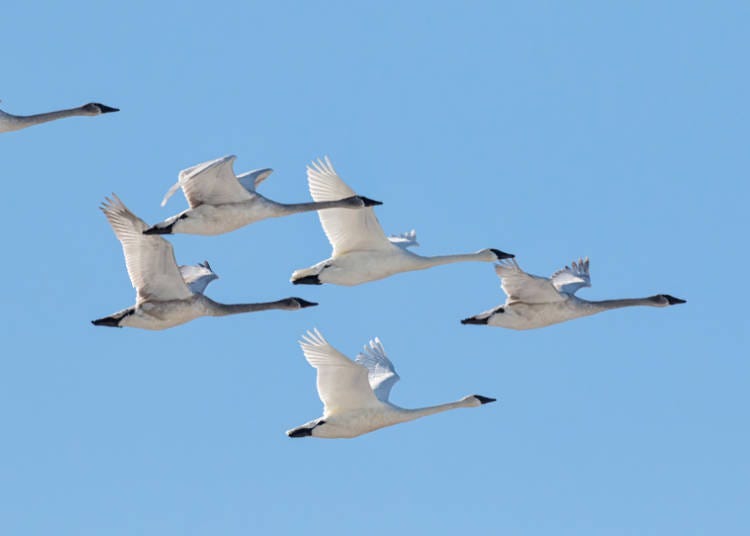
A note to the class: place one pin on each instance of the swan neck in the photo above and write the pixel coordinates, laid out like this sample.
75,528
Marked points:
296,208
412,414
606,305
28,120
224,309
449,259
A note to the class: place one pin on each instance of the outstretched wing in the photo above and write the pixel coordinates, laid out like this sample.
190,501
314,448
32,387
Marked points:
405,240
252,179
210,183
523,287
347,230
198,276
149,258
573,277
381,374
342,383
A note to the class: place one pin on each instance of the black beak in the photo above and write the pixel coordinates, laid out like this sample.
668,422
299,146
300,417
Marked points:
484,399
501,254
369,202
304,303
106,109
672,300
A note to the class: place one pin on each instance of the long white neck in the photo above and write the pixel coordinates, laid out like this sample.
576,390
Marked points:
11,122
606,305
411,414
295,208
483,256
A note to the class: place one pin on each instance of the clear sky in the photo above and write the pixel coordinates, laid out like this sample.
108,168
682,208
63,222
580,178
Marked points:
550,130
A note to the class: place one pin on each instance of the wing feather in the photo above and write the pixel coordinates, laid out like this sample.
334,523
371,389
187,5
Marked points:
149,258
523,287
405,240
198,276
210,183
572,278
342,383
381,373
347,230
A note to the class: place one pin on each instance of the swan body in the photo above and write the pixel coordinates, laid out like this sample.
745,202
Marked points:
361,250
10,122
221,201
355,393
167,295
536,302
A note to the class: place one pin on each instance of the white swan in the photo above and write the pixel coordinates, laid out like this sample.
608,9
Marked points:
166,295
535,302
361,251
355,394
9,122
221,201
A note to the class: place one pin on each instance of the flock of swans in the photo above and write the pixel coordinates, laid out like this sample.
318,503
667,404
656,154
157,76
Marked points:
354,392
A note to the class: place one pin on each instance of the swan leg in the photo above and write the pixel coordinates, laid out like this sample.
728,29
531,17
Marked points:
113,321
308,280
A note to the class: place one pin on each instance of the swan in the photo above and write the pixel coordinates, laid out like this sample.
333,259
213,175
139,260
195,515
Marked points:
167,295
9,122
535,302
221,201
361,251
355,393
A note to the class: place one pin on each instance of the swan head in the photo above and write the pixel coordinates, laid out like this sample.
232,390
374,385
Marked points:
473,401
498,255
96,108
299,303
664,300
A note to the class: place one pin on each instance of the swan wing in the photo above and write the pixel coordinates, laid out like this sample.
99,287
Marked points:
347,230
210,183
342,383
198,276
523,287
572,278
381,373
149,258
404,240
252,179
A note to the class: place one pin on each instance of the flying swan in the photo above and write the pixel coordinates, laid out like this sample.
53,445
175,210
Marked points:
9,122
167,295
361,251
221,201
355,393
535,302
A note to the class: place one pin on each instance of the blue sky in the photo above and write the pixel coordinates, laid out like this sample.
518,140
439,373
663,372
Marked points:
551,131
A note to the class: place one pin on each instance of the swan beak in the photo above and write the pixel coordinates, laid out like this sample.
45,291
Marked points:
307,280
107,109
672,300
369,202
501,254
484,399
304,303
